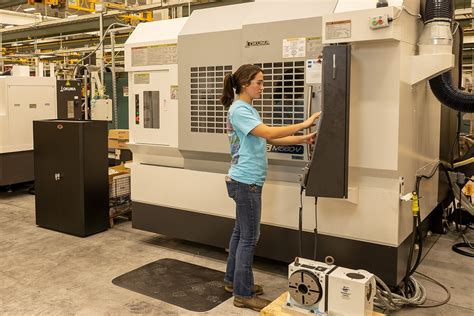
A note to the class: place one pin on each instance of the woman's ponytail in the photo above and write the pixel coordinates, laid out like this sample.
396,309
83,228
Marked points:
243,76
227,92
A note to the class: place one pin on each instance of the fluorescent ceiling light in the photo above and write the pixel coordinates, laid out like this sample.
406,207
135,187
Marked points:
9,26
72,16
29,9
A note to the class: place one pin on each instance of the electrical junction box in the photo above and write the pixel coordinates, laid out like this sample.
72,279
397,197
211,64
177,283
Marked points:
351,292
101,110
378,21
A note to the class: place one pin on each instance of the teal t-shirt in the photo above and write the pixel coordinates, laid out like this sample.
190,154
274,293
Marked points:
248,152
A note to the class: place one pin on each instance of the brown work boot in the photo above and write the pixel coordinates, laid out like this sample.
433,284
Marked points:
256,303
256,289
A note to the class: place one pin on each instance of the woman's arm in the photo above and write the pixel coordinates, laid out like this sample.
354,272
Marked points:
293,140
271,133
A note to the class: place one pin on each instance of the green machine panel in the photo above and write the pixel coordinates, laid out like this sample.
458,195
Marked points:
122,97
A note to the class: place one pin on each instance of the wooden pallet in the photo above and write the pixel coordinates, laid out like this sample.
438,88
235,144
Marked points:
275,308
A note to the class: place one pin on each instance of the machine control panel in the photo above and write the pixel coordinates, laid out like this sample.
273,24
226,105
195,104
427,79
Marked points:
378,21
327,173
137,109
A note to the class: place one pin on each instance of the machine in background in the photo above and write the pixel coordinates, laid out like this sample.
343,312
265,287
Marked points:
69,96
22,100
151,57
122,98
117,154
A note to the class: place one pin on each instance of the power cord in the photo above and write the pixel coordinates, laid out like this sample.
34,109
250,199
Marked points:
300,225
315,252
404,9
386,300
98,46
457,248
410,287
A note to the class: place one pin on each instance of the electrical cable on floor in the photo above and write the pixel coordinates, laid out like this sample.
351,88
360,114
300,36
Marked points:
466,244
386,300
446,300
457,248
464,237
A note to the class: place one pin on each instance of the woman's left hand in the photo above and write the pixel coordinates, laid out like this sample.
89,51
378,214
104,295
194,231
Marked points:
309,138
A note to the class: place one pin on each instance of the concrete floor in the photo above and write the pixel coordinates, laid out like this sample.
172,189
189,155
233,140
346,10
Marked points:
49,273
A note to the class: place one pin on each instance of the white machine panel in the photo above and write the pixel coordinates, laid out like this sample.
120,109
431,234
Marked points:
357,5
187,189
218,19
149,41
265,11
151,60
23,100
356,26
157,99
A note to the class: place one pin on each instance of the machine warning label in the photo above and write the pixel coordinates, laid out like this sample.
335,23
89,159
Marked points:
294,47
155,55
256,43
174,92
292,149
314,71
314,47
338,29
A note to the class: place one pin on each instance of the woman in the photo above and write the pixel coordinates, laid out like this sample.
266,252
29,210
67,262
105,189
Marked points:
248,138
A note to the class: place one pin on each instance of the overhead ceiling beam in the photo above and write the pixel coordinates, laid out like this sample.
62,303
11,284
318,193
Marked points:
11,3
80,24
87,23
20,18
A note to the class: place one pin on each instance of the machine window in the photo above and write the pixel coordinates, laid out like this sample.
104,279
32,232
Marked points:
151,109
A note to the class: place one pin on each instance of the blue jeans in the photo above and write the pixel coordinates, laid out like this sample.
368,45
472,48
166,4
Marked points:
248,200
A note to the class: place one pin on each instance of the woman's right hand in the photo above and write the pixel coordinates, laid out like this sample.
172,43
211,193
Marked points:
310,121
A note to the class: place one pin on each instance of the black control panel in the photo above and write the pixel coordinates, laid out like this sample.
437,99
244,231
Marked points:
327,173
69,97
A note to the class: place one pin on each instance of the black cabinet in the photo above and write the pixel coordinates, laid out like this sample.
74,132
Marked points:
71,176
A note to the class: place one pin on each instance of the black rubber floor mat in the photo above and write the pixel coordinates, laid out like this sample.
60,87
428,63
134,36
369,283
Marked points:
186,285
